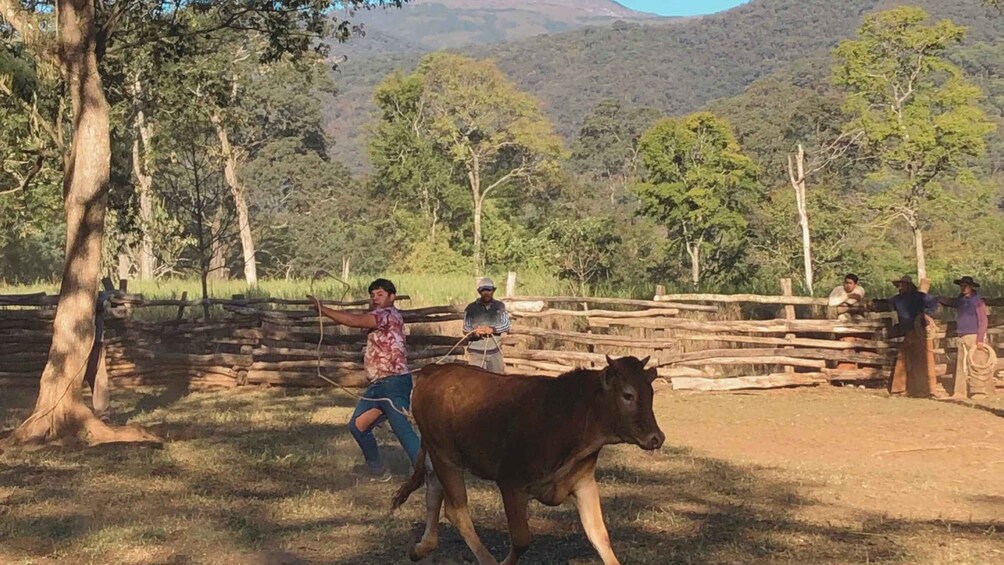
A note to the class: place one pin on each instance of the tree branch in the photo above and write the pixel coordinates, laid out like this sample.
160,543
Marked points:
27,178
27,25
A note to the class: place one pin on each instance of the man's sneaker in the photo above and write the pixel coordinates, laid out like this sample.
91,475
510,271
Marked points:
380,476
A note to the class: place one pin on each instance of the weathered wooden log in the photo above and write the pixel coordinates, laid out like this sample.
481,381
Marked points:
349,379
857,375
37,299
593,339
32,347
766,360
125,371
137,301
226,359
797,341
799,353
190,382
14,335
610,301
651,313
776,380
568,358
740,298
753,326
311,316
556,368
284,353
274,335
33,314
24,366
28,375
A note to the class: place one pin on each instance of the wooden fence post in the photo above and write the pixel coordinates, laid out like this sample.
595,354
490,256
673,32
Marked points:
181,309
663,333
510,284
789,314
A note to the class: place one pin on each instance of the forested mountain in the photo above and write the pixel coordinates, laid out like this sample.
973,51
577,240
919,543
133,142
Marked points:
431,25
632,153
676,66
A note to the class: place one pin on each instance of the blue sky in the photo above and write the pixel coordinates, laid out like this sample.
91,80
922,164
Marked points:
681,7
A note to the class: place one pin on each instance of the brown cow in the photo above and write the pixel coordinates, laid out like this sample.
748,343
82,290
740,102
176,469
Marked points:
536,437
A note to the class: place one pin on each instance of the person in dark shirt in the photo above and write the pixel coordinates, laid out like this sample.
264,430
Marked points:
914,372
487,319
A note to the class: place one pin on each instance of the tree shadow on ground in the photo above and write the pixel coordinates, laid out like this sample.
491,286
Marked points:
268,477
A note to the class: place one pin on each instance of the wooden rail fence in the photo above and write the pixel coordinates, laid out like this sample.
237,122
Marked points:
696,341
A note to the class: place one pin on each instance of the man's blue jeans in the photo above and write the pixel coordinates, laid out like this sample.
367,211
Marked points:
398,390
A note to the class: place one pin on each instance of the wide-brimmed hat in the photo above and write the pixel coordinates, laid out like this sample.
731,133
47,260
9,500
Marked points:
486,284
967,280
905,279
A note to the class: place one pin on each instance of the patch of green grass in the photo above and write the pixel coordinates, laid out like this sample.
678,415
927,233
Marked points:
423,289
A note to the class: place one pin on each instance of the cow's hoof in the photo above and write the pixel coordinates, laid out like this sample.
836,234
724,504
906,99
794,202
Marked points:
421,550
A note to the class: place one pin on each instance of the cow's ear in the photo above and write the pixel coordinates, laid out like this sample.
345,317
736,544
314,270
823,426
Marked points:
651,375
608,375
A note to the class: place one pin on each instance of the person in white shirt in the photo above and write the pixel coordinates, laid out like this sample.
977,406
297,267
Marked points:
848,299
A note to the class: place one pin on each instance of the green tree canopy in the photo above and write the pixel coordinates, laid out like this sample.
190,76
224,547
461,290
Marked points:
699,184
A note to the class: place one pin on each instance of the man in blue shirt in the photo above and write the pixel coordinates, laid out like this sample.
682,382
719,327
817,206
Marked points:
488,320
914,373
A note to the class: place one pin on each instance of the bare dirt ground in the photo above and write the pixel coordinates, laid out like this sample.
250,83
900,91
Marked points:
272,477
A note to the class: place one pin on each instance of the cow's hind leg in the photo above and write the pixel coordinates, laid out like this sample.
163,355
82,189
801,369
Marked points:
455,497
433,506
516,502
586,495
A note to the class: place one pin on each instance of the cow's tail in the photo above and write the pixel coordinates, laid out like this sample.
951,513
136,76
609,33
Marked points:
414,482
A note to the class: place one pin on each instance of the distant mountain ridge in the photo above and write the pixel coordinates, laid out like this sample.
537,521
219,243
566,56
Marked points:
432,25
674,65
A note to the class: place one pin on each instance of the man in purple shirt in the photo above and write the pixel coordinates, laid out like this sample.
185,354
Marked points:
972,322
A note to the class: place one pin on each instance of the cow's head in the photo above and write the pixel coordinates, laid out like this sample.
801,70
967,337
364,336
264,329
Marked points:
627,402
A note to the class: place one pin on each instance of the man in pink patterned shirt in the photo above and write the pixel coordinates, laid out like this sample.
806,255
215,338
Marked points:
388,396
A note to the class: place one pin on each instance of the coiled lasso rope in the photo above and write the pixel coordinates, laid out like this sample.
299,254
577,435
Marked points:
983,372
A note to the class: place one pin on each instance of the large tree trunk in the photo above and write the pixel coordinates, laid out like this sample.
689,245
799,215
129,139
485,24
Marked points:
60,411
144,175
797,176
240,201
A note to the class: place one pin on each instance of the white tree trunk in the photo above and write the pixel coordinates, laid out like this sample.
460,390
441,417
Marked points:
477,237
474,177
797,175
230,166
918,241
142,166
694,250
218,249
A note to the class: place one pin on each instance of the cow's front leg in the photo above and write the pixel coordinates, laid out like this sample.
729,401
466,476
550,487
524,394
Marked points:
516,503
433,506
586,495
